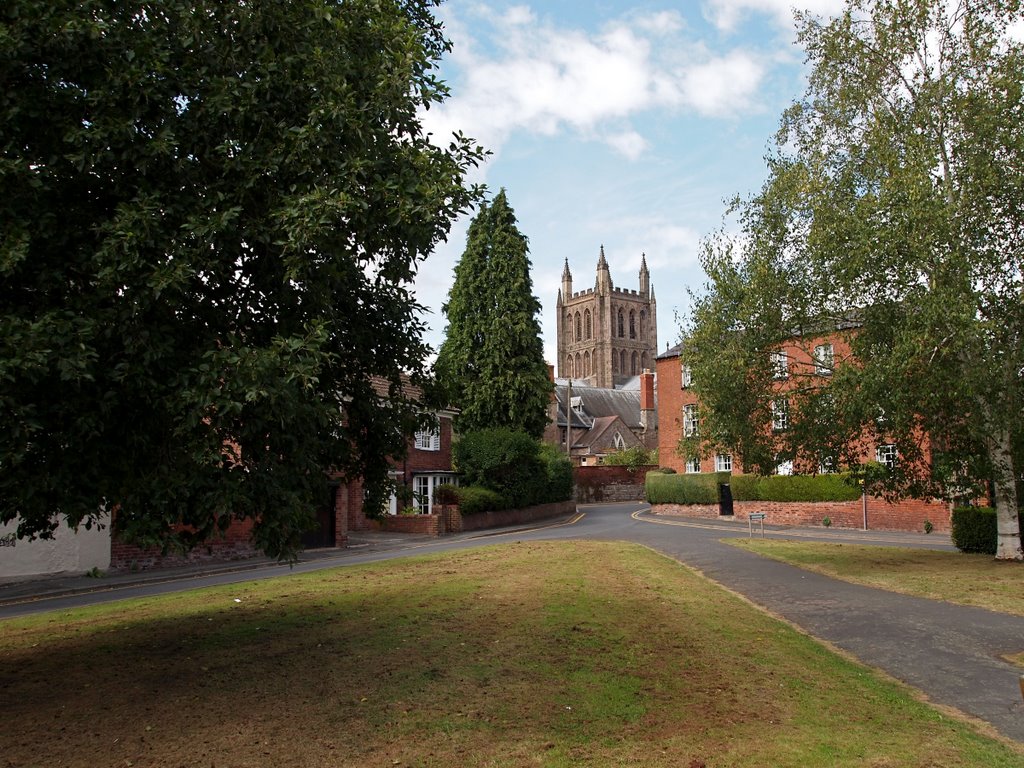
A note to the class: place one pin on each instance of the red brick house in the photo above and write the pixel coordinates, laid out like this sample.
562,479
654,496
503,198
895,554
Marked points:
679,415
428,464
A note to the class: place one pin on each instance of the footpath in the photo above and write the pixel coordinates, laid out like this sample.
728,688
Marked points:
31,589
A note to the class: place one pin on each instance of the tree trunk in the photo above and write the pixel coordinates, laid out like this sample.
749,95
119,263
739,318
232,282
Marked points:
1008,542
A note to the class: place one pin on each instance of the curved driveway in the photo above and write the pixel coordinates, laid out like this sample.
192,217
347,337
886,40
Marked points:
949,652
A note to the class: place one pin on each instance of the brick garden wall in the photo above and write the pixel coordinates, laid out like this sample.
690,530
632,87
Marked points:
236,544
499,518
909,515
607,483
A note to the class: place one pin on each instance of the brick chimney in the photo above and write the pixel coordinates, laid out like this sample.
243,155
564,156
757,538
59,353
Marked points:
646,397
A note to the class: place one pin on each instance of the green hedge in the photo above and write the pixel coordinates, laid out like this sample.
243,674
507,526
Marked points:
974,529
684,489
473,499
703,488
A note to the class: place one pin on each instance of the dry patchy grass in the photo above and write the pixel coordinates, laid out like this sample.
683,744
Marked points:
967,579
520,655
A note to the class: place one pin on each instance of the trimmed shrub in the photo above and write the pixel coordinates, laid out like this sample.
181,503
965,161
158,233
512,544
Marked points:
794,488
974,529
684,489
703,488
473,499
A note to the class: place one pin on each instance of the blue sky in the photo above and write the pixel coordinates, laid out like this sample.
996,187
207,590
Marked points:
622,124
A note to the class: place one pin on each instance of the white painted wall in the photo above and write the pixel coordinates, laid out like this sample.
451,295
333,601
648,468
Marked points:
66,552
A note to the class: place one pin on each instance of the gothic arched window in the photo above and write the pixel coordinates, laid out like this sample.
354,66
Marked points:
643,323
622,362
570,371
632,324
579,328
586,363
622,324
586,324
579,365
632,369
615,361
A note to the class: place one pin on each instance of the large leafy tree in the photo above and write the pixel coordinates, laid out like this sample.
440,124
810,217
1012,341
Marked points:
893,215
211,216
492,359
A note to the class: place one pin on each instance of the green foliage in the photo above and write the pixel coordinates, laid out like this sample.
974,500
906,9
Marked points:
635,457
836,487
558,470
474,498
492,360
213,214
446,494
826,521
684,489
973,529
928,526
891,221
703,488
514,465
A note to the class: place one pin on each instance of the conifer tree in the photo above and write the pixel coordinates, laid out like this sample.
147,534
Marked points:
492,360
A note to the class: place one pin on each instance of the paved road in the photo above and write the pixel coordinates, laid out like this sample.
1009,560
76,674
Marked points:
951,653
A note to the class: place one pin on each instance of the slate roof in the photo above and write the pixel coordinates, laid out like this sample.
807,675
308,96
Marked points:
597,403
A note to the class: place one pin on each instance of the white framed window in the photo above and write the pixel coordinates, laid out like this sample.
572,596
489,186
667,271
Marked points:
690,420
780,365
429,440
780,414
887,455
423,487
828,466
693,465
723,462
687,376
824,359
784,468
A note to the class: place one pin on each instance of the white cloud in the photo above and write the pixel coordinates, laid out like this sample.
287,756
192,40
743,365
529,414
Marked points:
546,80
719,86
629,143
727,14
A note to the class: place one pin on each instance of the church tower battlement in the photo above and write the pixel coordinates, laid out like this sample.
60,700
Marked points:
606,335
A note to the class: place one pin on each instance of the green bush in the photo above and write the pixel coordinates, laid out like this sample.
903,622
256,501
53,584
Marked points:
684,489
517,467
446,494
558,469
634,458
473,499
974,529
703,488
794,488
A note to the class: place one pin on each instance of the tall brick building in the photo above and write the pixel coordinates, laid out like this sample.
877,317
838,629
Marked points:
606,335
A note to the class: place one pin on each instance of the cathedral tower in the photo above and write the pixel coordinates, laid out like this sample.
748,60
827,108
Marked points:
606,335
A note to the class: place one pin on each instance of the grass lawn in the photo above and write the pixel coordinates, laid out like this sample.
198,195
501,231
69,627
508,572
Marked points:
528,654
977,580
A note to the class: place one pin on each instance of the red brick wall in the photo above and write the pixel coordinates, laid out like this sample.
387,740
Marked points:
521,516
908,515
236,544
605,483
427,525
